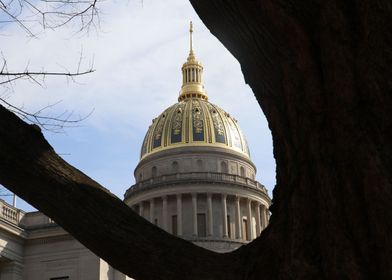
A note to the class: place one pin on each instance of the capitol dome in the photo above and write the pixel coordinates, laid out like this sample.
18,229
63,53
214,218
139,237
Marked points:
195,178
194,122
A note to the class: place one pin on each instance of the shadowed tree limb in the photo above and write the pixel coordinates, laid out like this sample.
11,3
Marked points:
99,220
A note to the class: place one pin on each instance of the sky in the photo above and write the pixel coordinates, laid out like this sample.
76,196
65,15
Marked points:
137,53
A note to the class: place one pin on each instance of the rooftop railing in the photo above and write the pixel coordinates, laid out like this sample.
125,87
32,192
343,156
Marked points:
10,213
213,177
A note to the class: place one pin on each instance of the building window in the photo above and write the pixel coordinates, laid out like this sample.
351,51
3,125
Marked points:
242,171
174,225
59,278
154,171
224,167
245,231
228,227
201,225
140,176
156,221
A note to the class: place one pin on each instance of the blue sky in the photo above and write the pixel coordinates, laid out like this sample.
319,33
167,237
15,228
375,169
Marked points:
137,52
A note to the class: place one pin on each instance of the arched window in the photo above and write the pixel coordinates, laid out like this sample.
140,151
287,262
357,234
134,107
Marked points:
224,168
175,166
140,176
154,171
242,171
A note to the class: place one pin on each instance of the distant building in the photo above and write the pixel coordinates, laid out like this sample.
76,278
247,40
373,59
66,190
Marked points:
195,180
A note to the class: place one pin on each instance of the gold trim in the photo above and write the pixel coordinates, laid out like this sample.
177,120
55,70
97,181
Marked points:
208,134
219,110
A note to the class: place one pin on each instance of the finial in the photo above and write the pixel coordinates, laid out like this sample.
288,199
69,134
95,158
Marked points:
190,36
192,74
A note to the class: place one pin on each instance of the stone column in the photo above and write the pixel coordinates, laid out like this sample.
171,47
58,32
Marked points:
238,218
263,217
210,218
258,224
267,216
141,208
249,214
224,214
194,208
152,210
164,212
179,214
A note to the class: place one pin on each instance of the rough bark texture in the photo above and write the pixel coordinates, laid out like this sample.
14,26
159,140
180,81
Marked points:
321,73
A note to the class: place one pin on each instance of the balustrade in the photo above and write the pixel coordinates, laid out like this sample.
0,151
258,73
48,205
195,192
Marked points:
10,213
198,176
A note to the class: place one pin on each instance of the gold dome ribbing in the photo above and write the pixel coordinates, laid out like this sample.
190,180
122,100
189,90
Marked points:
193,121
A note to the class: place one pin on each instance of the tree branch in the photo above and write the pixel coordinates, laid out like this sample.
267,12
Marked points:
94,216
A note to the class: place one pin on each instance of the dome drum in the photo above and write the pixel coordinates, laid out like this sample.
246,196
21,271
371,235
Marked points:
217,221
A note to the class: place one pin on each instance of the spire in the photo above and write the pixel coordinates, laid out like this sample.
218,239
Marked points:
192,74
190,37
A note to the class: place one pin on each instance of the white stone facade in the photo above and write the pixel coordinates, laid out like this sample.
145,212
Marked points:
206,195
33,247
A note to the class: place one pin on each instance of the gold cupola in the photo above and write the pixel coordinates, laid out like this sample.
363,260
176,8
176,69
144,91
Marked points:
192,74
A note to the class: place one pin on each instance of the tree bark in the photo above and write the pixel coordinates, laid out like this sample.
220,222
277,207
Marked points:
321,72
98,219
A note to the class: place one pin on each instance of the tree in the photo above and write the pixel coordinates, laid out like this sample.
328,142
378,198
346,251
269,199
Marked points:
33,17
321,73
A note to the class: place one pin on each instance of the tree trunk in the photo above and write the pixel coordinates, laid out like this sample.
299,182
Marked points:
321,71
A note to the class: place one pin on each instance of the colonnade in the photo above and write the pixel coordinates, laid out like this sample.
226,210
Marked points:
243,222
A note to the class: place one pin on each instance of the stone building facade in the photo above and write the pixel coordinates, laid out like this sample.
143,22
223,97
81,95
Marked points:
195,179
34,247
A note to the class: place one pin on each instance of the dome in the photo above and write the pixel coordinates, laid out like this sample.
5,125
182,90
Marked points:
194,122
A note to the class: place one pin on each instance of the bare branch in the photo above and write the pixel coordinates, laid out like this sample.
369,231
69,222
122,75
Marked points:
50,14
19,22
55,123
